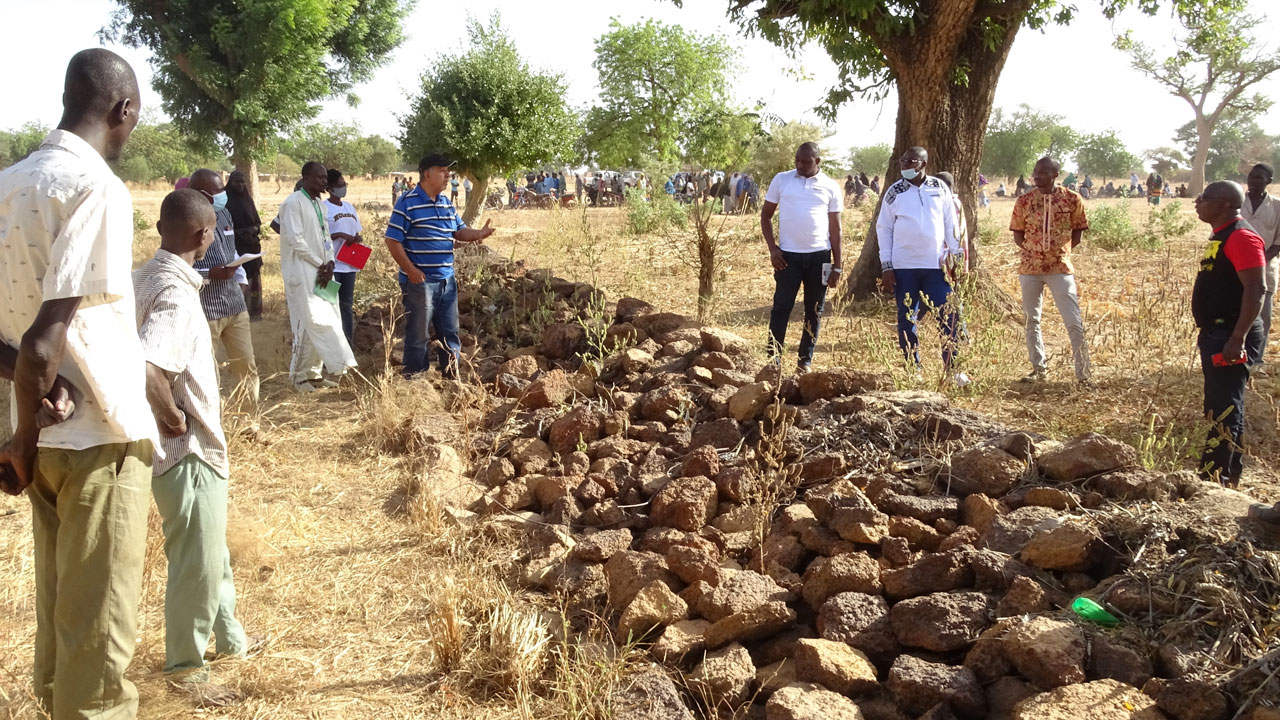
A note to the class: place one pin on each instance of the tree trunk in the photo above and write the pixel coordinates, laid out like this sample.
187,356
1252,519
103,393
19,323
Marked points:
249,167
706,271
946,118
475,200
1204,138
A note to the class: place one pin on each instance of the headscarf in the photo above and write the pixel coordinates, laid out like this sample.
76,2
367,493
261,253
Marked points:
240,205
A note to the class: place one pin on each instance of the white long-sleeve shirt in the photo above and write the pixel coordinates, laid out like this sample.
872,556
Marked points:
916,227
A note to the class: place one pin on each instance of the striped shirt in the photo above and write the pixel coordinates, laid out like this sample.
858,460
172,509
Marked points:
425,228
175,338
221,298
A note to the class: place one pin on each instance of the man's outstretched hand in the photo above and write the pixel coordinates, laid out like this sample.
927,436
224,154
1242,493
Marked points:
485,231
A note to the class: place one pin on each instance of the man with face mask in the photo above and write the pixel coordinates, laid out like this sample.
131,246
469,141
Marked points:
1262,211
916,228
223,300
344,229
809,205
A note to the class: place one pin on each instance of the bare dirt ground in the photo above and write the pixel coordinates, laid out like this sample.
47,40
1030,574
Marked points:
374,613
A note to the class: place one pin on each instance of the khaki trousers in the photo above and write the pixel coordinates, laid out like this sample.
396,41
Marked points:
89,516
237,345
1063,288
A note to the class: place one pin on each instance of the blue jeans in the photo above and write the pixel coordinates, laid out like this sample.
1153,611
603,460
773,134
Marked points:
346,294
1223,459
431,305
918,290
803,270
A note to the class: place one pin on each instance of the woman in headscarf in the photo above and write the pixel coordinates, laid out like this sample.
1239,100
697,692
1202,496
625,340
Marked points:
248,238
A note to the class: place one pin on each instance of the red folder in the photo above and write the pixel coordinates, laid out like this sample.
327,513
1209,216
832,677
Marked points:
355,255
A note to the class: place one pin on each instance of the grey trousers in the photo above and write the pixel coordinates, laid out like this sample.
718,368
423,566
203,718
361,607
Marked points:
1063,288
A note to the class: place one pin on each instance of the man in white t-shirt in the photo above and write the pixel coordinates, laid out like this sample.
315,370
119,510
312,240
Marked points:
66,305
808,204
344,229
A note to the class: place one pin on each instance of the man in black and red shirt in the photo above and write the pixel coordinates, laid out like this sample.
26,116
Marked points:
1225,303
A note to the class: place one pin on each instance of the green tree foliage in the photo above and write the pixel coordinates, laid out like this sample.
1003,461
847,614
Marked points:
490,111
1165,160
943,58
245,70
343,147
871,159
723,139
661,89
158,151
1014,142
1218,58
1104,155
1236,144
776,152
17,144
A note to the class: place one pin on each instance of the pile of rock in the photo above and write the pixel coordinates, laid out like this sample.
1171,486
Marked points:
818,546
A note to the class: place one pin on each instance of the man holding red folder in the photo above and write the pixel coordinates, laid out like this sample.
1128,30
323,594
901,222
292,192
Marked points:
344,229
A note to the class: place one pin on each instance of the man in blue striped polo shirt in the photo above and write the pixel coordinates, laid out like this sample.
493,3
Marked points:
420,235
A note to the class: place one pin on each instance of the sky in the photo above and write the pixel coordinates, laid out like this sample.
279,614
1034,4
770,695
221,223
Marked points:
1070,70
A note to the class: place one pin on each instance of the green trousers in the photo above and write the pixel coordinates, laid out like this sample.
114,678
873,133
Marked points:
89,519
200,597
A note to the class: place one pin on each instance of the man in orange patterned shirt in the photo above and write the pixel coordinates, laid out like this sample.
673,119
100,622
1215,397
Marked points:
1046,224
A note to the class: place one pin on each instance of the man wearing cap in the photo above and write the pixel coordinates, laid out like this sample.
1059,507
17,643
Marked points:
421,235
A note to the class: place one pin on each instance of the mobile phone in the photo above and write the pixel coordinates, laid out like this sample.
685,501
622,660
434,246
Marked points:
1218,361
826,272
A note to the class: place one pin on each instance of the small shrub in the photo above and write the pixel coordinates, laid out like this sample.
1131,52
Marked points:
1168,223
988,229
1111,228
649,216
140,221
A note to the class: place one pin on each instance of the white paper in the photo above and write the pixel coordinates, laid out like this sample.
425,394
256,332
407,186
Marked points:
243,259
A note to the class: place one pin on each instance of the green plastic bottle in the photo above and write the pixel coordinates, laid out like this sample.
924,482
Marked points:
1090,610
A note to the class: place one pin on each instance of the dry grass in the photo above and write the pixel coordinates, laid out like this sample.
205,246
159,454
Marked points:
377,604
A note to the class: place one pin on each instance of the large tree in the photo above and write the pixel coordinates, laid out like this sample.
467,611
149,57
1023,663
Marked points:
1165,160
775,152
660,88
870,159
1014,142
491,111
243,71
1105,155
1236,144
943,57
342,146
160,151
1218,58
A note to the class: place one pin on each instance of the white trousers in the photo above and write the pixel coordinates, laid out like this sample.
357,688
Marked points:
1063,288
